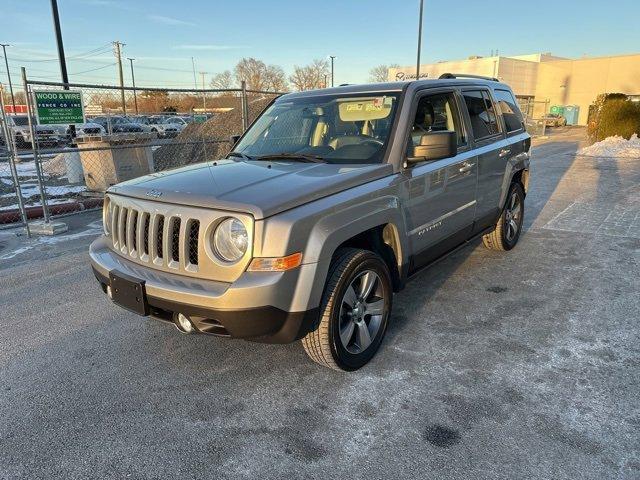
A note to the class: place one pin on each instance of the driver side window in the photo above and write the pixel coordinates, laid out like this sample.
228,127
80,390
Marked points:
437,113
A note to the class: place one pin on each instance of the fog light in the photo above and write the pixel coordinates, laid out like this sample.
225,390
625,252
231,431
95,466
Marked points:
184,324
109,292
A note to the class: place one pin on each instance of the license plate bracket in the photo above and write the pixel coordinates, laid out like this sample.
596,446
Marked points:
129,292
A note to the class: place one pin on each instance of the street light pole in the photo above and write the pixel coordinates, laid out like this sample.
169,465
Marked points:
419,41
6,62
133,80
332,59
61,59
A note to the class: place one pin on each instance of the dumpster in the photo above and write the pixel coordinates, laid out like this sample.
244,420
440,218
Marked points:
110,159
571,113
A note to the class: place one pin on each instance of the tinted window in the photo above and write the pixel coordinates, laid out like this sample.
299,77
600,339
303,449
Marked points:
483,117
510,111
437,113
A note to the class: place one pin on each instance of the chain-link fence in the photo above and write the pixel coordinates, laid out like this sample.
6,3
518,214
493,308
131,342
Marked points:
535,114
128,132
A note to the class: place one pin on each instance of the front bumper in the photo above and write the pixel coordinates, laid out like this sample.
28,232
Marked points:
255,307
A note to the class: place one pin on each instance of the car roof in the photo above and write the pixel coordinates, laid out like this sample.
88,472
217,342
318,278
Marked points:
391,87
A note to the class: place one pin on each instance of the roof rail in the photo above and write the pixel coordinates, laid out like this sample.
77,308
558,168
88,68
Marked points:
466,75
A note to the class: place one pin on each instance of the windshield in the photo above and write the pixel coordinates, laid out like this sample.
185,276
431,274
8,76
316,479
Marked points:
336,128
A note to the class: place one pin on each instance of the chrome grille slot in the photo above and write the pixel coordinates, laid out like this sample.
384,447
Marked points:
175,239
146,221
115,212
132,231
159,234
122,227
192,241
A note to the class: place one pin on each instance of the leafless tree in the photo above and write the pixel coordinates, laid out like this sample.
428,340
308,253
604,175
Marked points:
381,73
260,76
310,76
276,80
223,80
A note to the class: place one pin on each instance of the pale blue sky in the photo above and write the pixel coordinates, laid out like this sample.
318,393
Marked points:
163,35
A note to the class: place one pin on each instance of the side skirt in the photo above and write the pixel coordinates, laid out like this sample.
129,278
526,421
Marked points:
442,245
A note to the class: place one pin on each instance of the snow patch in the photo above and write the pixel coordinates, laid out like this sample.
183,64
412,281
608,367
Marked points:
616,147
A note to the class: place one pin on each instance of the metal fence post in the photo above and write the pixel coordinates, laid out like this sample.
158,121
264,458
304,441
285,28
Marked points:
34,146
11,147
244,106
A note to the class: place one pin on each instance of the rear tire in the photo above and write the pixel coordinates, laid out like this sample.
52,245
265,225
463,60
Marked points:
354,312
507,232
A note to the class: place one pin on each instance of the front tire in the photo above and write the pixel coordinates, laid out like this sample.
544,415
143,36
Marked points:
509,225
354,312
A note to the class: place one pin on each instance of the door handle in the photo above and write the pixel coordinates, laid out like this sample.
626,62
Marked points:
504,152
466,166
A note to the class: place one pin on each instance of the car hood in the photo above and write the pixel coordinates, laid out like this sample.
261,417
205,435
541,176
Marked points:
257,187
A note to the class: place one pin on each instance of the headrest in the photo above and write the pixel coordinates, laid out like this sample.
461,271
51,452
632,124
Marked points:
425,114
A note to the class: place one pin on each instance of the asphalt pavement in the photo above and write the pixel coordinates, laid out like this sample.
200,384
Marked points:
496,366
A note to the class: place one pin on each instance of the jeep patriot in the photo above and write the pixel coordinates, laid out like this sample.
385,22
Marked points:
324,208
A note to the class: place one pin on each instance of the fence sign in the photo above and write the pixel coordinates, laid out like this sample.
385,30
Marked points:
59,107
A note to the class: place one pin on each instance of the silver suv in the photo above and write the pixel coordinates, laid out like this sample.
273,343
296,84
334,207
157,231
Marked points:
325,207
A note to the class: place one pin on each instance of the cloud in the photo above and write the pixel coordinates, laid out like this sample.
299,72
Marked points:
170,21
208,47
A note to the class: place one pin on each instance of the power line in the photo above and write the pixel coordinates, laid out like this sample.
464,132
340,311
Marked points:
94,69
79,56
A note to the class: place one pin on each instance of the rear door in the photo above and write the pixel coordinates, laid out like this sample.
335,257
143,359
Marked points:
491,149
440,209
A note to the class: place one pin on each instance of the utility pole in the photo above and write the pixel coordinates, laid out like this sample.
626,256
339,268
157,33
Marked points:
332,58
325,80
419,40
6,62
204,97
133,80
193,65
117,50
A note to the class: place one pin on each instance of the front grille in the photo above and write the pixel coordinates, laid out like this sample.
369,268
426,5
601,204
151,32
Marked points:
155,238
171,238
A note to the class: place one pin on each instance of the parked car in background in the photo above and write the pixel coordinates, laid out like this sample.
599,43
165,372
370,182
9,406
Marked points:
555,120
46,135
181,122
325,207
117,124
142,121
87,129
166,126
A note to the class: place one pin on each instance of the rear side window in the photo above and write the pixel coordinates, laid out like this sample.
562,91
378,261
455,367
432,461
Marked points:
510,111
483,118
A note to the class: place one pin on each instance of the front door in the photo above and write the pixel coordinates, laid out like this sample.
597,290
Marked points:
441,194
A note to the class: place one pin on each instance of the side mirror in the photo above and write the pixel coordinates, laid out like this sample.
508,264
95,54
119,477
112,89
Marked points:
234,139
434,146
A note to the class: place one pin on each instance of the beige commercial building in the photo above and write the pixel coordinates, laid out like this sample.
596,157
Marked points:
543,77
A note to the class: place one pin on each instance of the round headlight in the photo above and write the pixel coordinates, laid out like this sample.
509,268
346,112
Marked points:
230,240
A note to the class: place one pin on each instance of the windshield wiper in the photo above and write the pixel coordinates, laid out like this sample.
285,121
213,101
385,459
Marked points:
240,155
303,157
